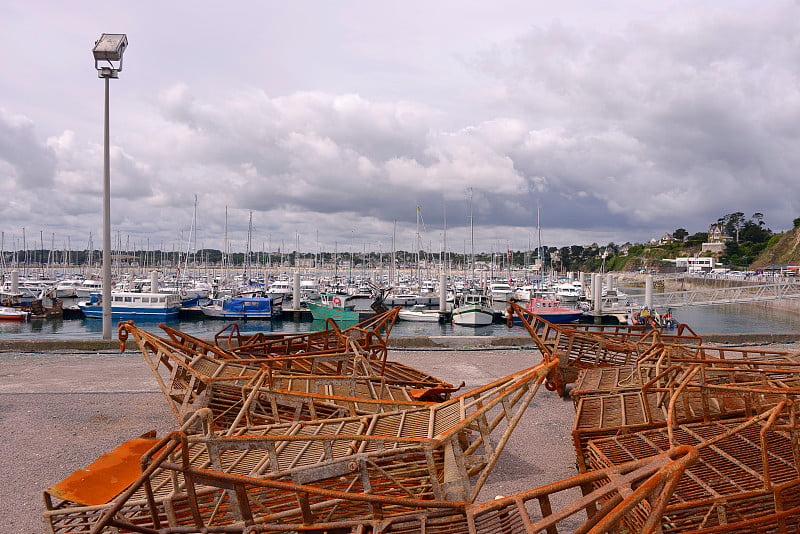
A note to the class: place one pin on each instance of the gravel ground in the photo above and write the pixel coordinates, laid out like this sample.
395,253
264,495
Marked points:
62,410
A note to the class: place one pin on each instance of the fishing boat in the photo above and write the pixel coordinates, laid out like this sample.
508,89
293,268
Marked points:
474,310
133,305
13,314
552,311
419,313
241,308
342,307
321,311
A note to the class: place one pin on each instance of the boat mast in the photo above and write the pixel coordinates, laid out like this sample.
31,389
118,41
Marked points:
225,251
393,273
445,266
540,252
417,246
472,241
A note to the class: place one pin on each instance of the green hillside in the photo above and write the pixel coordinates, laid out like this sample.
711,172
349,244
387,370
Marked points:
782,249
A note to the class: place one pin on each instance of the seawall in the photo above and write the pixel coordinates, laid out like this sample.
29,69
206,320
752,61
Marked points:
400,342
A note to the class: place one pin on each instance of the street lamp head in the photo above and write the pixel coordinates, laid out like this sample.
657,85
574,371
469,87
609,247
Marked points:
109,48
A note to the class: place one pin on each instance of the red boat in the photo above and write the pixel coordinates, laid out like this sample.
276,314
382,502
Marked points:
13,314
551,310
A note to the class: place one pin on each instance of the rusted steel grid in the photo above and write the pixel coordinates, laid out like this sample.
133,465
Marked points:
746,480
730,365
686,353
680,395
635,333
189,377
241,502
371,336
339,361
578,349
440,452
526,512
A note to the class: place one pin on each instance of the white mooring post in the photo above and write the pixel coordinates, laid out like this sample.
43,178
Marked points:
597,293
648,291
153,281
296,292
443,292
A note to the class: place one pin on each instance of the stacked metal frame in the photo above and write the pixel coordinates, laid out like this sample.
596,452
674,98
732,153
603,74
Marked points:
191,377
581,348
607,496
683,394
371,336
443,452
747,478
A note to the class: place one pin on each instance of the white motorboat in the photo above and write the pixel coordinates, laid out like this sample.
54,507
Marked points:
500,292
68,288
280,290
568,292
419,313
309,290
88,287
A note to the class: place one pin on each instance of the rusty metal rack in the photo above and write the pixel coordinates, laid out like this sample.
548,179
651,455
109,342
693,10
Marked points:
685,394
747,478
442,452
350,359
613,380
577,349
644,484
191,377
370,335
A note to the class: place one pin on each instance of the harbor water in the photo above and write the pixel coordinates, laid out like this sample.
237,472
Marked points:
720,319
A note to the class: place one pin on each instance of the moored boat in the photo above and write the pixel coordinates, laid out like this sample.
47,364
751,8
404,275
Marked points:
241,308
133,305
341,307
13,314
552,311
420,314
474,311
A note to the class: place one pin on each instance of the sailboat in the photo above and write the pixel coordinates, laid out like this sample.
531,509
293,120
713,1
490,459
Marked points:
474,310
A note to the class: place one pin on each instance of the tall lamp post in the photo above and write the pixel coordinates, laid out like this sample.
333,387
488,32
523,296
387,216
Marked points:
107,53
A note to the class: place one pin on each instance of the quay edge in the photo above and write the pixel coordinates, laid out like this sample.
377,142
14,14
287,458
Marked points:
399,342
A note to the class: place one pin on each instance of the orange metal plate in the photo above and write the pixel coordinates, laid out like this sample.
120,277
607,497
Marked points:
106,477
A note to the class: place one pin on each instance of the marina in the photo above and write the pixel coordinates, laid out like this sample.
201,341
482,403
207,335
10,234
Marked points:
720,319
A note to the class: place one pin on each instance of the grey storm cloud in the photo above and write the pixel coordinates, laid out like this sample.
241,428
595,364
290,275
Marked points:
616,130
29,163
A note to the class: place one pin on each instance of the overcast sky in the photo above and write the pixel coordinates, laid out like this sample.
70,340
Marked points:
333,121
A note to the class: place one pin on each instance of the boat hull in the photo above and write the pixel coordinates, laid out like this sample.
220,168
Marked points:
12,314
472,316
136,314
557,317
322,312
419,316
